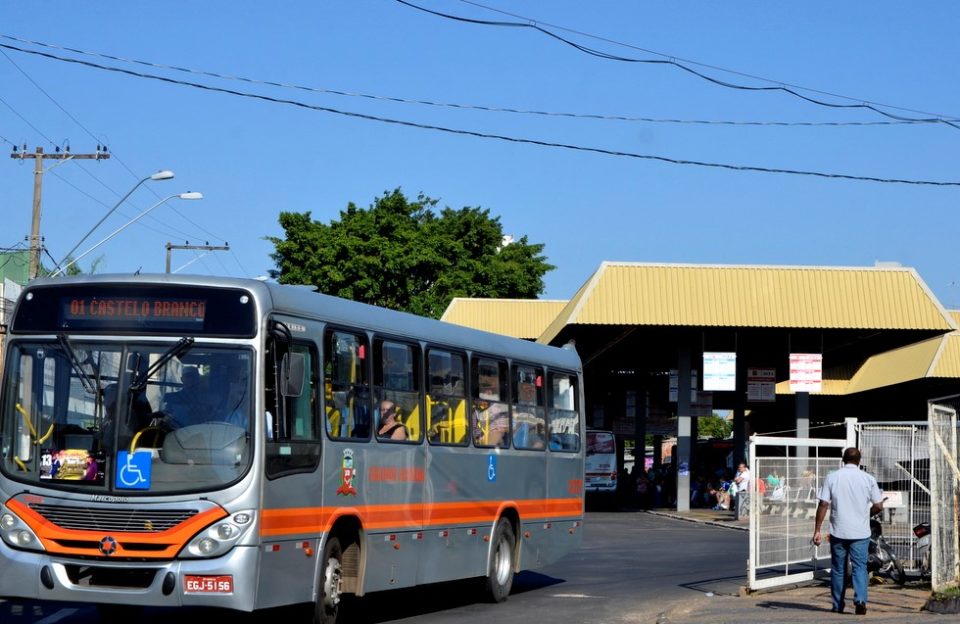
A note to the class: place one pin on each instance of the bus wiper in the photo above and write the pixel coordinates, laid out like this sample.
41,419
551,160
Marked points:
88,384
140,379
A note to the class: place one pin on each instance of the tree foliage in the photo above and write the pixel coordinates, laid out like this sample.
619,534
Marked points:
401,254
714,427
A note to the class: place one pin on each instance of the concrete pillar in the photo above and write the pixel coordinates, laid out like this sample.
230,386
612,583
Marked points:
681,460
802,411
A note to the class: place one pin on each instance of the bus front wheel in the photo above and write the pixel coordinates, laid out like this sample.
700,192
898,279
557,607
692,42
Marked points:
330,583
500,570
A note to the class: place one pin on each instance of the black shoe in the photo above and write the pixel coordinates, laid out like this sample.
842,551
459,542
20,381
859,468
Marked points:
836,610
860,608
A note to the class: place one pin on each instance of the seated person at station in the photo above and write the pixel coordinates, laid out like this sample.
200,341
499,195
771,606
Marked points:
186,407
390,428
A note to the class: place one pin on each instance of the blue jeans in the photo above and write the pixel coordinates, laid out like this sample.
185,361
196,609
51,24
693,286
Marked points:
857,550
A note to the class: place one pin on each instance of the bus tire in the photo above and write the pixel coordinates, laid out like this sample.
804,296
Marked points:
327,606
500,569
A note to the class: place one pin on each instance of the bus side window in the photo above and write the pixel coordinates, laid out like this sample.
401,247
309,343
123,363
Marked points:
491,411
345,387
564,417
397,381
529,424
446,398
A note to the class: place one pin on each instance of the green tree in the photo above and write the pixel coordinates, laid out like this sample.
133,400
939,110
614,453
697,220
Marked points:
401,254
713,427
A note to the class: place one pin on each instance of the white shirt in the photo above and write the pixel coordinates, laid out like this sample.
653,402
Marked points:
850,492
743,483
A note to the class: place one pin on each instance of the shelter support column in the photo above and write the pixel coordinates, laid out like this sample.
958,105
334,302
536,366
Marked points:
681,463
802,410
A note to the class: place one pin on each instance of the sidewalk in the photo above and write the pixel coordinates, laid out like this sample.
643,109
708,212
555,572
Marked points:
888,602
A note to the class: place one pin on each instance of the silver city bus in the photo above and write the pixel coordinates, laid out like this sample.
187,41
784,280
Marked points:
188,441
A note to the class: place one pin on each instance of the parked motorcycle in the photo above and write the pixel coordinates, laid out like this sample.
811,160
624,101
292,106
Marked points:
922,531
881,558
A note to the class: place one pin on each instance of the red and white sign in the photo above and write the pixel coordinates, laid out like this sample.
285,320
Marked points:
208,584
761,385
806,372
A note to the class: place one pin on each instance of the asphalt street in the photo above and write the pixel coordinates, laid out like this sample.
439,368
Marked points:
633,568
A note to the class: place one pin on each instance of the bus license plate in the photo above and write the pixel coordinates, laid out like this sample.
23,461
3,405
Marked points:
208,584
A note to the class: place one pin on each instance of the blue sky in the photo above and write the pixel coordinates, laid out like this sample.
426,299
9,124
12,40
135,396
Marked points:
252,158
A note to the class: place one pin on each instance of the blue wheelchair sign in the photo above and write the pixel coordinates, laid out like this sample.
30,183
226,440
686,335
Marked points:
492,468
133,470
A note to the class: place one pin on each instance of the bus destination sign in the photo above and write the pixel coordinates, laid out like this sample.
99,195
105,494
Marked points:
139,311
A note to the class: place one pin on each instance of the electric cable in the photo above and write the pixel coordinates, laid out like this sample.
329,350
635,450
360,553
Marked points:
483,135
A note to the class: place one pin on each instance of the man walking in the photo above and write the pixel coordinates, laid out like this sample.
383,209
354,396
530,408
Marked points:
852,496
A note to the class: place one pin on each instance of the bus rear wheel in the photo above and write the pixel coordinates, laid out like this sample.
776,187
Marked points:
327,607
500,570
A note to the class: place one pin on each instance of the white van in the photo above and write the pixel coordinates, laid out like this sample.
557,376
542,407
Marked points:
601,462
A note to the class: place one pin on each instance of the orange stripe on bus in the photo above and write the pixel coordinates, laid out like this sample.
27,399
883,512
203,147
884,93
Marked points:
276,522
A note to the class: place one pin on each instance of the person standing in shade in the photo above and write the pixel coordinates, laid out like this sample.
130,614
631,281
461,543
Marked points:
852,496
743,490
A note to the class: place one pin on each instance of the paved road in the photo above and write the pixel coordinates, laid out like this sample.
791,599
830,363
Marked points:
632,567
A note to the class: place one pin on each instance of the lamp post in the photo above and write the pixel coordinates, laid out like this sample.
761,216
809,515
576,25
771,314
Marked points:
191,195
166,174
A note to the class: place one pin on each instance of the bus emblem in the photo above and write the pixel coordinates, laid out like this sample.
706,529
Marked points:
347,473
108,545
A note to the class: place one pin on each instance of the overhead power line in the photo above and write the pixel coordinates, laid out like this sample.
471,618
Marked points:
463,106
672,61
483,135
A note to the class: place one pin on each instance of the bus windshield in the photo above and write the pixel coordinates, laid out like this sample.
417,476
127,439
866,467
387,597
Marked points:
126,418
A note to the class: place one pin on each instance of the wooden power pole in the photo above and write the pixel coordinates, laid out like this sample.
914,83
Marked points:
38,158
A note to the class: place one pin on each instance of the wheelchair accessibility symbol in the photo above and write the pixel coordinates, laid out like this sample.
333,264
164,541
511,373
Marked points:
133,470
492,468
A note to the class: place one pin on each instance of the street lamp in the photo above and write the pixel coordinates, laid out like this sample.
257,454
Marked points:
166,174
191,195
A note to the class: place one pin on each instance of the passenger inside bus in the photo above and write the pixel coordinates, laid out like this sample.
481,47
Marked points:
390,426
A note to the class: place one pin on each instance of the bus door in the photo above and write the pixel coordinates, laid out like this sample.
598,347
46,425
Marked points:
292,519
564,450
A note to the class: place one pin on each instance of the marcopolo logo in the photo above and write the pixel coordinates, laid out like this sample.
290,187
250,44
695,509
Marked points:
108,545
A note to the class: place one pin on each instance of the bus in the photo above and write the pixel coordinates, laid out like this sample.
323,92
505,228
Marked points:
212,442
601,462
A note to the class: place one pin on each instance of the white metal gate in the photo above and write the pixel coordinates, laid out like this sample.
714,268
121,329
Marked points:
944,493
783,509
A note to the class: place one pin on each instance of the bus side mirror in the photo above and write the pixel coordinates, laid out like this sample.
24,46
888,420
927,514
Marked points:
291,374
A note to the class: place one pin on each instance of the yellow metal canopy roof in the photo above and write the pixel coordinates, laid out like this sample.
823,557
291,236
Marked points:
937,357
520,318
622,293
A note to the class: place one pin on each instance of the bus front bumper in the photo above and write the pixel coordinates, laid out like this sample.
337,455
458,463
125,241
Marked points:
39,576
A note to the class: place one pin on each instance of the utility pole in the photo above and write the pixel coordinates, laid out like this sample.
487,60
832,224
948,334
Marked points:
38,158
171,246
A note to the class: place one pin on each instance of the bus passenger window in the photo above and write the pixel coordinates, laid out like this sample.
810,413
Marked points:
446,398
564,419
345,387
529,424
396,391
491,412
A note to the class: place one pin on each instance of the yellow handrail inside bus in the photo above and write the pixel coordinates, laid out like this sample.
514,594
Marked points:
33,431
136,437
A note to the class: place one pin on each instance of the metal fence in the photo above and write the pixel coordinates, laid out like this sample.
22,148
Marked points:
944,492
783,504
897,455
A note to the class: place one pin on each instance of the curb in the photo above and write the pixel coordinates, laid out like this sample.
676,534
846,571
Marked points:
676,516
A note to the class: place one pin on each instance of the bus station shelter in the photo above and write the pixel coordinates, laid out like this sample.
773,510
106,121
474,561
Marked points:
784,349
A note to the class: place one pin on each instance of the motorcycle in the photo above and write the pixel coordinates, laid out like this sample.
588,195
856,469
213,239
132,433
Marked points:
881,558
922,531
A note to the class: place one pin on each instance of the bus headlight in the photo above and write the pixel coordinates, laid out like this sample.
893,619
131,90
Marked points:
16,533
219,537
